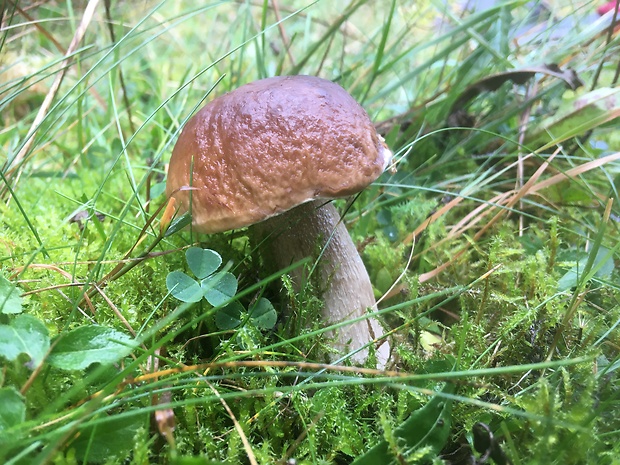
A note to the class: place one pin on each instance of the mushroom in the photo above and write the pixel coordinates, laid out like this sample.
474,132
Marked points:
270,154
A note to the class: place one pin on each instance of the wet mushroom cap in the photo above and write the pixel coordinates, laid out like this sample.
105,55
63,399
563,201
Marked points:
269,146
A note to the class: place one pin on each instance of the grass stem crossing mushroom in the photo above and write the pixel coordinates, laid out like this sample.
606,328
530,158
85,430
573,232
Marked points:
284,144
342,279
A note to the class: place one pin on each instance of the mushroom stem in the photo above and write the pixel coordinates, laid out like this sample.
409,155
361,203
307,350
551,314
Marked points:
314,229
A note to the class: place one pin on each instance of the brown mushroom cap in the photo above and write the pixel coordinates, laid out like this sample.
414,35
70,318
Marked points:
269,146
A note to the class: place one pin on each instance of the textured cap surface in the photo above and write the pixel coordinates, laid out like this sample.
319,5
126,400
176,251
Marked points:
269,146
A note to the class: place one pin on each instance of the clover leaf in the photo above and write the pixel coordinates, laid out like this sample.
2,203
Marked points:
217,288
202,262
229,317
262,314
10,299
183,287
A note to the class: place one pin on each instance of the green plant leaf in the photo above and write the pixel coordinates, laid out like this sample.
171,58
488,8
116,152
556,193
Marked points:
24,335
518,76
428,426
178,224
114,438
202,262
84,346
183,287
229,317
263,314
12,414
157,189
577,116
10,300
603,264
13,411
220,288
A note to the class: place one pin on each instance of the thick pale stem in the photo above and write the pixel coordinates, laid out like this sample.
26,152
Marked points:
315,228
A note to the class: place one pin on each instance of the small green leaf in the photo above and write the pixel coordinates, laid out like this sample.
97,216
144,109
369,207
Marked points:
25,334
12,416
157,189
13,411
579,115
116,146
84,346
263,314
571,277
114,438
427,427
220,288
10,300
178,224
183,287
229,317
202,262
603,264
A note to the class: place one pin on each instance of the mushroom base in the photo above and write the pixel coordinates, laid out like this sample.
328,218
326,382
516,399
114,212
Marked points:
314,229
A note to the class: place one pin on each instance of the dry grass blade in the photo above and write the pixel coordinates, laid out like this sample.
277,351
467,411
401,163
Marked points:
13,173
285,39
53,40
121,76
518,194
244,439
293,447
508,200
40,29
431,219
574,172
116,311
